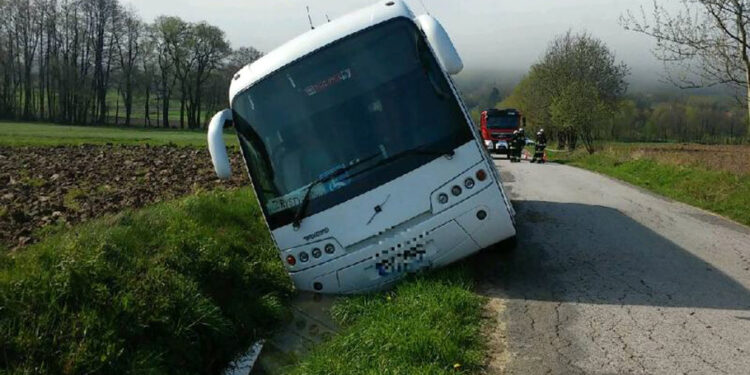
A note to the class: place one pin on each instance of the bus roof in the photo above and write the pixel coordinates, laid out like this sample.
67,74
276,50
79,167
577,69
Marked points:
312,40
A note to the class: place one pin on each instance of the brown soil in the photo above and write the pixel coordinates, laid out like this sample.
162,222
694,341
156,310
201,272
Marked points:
40,186
495,332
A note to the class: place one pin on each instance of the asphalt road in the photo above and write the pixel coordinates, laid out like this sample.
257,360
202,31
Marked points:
607,278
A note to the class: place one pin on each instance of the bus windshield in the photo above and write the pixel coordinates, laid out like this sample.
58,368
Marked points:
506,122
349,106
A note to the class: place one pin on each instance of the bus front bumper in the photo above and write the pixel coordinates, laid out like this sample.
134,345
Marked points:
469,226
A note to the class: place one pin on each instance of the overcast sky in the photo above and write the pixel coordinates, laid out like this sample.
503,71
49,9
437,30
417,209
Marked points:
504,35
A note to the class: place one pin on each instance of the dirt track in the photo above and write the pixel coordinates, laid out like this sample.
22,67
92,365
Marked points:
608,279
40,186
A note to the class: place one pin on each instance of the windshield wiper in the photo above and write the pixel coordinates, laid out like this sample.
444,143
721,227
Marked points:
328,177
338,172
449,153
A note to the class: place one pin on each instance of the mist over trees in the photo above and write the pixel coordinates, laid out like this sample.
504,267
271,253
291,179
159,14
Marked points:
571,110
97,62
705,43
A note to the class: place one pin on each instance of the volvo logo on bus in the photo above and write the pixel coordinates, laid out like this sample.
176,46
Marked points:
378,209
317,234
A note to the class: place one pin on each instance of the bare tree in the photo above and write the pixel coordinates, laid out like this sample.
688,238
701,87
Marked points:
192,52
705,42
128,44
241,57
100,17
209,49
149,70
62,61
27,40
5,64
166,32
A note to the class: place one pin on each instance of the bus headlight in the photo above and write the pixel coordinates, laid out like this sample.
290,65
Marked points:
443,198
316,253
303,257
456,190
469,183
330,249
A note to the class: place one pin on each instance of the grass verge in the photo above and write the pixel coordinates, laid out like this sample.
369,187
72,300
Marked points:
180,287
428,325
44,134
722,192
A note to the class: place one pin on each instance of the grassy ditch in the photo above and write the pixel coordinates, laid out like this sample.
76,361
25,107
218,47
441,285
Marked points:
185,286
45,134
702,176
428,325
180,287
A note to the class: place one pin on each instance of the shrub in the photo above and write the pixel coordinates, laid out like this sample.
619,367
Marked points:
181,287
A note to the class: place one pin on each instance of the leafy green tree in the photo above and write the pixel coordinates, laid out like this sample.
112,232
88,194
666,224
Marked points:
625,122
667,121
531,98
574,90
578,110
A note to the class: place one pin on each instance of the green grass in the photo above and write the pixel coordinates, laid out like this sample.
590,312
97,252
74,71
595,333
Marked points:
427,325
180,287
43,134
721,192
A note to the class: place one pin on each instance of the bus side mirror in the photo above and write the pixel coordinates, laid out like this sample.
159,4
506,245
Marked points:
216,145
441,44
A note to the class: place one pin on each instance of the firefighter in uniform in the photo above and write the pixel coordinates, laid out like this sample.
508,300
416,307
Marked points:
521,143
513,146
541,144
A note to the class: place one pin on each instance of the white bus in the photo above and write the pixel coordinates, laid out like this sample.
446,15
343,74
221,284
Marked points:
363,157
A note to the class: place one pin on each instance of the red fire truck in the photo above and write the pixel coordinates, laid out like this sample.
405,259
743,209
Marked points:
497,127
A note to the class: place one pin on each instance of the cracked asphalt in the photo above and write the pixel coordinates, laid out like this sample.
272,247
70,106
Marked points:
607,278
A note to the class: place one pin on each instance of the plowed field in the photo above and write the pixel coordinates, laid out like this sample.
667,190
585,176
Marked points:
41,186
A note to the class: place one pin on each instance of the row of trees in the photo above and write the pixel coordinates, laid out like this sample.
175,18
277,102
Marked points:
68,60
706,119
641,117
577,91
573,90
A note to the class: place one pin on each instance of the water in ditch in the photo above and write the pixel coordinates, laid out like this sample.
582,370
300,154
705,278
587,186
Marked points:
311,324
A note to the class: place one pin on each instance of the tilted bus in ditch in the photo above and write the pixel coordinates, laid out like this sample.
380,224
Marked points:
364,159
